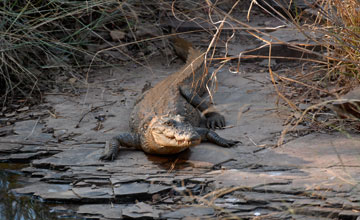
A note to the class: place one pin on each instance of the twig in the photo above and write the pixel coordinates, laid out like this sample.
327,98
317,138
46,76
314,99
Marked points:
33,129
92,109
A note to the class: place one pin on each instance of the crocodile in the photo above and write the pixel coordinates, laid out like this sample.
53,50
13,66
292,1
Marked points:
166,119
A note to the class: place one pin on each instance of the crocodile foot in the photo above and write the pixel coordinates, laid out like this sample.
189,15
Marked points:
110,152
229,143
214,120
215,138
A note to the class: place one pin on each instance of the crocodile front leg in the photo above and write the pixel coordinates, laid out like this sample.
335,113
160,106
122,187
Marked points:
130,140
213,137
213,118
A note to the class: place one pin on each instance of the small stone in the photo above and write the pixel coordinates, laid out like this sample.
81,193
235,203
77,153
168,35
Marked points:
265,63
59,133
156,198
117,35
349,214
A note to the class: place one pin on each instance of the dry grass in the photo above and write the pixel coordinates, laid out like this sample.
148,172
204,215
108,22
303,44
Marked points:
342,27
321,81
339,24
41,40
37,37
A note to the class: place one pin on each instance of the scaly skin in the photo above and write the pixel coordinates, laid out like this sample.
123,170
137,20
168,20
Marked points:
166,119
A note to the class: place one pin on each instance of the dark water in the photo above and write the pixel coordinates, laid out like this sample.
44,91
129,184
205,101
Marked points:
14,207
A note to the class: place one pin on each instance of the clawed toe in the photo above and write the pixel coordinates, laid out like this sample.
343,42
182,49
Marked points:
106,157
231,143
214,120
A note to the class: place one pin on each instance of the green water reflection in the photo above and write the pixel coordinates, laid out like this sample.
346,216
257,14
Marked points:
14,207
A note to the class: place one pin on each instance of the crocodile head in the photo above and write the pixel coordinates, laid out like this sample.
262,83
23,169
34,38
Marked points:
173,131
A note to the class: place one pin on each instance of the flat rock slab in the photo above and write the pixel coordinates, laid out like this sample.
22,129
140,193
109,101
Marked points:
108,211
9,147
89,156
42,188
139,188
140,211
246,180
322,151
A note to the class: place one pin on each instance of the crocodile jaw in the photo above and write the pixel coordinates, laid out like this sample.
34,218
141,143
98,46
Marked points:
173,131
171,141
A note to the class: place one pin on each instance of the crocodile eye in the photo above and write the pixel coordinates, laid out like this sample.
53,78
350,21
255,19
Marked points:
169,123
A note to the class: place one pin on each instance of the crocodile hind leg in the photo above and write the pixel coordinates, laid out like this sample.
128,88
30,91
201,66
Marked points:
130,140
213,137
213,118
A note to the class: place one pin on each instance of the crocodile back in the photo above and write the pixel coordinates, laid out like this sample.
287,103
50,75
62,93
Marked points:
165,98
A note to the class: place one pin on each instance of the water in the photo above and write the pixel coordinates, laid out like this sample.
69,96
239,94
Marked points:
14,207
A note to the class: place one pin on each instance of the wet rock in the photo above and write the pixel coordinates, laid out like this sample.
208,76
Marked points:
140,211
25,157
50,192
41,187
65,196
36,171
9,148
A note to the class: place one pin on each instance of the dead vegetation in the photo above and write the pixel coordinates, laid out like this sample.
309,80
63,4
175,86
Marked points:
316,93
54,42
44,39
